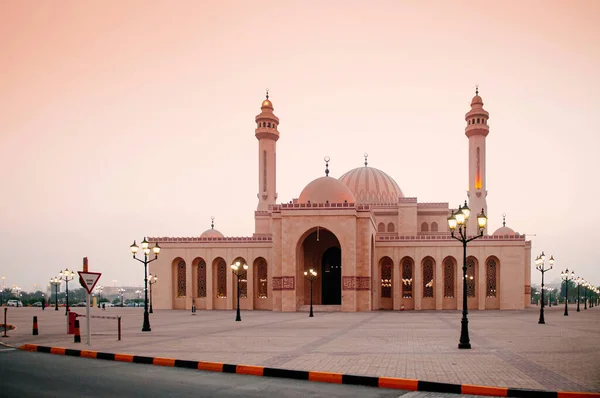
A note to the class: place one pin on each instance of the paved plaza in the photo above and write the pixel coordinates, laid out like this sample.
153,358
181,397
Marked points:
510,349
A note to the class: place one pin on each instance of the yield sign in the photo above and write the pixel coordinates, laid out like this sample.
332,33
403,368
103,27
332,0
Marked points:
89,279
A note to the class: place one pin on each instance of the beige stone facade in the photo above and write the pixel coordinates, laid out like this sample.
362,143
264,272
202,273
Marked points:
372,247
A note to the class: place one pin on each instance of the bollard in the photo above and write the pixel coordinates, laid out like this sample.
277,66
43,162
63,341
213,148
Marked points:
77,337
119,326
35,326
5,324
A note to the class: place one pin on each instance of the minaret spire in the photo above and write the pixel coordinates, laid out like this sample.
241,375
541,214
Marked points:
267,134
477,130
212,222
366,156
326,159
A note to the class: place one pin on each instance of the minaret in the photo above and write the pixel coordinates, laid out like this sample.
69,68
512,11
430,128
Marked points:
267,135
477,129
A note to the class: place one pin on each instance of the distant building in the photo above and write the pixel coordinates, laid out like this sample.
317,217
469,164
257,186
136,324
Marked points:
372,247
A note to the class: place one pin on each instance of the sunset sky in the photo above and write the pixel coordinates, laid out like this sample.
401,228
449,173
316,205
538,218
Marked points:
125,119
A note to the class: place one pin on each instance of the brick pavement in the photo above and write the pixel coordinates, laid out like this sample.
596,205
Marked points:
509,349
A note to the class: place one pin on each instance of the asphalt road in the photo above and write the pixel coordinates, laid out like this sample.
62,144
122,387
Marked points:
25,374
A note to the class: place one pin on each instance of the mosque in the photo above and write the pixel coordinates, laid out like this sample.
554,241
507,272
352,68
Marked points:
372,247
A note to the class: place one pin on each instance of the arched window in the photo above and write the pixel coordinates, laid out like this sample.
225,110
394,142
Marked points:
407,278
490,278
470,277
434,227
201,278
428,277
386,278
449,278
262,272
391,227
181,282
424,227
222,279
381,227
243,279
477,120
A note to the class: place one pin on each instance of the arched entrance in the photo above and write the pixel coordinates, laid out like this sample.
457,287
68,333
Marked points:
331,269
320,250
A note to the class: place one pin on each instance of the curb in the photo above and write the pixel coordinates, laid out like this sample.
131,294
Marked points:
326,377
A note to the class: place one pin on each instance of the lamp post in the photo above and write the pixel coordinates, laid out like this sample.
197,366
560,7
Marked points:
566,277
99,290
56,283
311,275
152,279
121,292
66,276
585,289
238,270
578,281
145,261
540,265
459,219
18,290
2,292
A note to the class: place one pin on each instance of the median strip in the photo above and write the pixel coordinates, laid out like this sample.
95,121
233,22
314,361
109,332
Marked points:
324,377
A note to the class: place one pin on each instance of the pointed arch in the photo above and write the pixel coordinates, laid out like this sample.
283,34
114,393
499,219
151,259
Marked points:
408,266
219,282
428,267
449,277
472,265
434,227
381,227
424,227
243,280
200,278
390,227
492,279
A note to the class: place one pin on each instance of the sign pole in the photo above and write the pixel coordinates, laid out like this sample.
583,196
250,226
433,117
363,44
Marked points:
87,318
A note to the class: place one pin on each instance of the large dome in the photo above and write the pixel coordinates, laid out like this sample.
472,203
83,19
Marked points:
371,185
326,189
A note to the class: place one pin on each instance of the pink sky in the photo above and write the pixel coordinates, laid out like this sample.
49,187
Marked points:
120,119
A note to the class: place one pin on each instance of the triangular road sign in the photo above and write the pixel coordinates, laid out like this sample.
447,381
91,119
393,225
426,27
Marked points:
90,279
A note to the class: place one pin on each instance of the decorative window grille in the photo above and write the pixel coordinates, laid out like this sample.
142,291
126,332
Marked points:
424,227
490,279
470,277
434,227
181,282
381,227
264,171
222,279
449,278
386,279
407,278
262,272
391,227
201,278
428,277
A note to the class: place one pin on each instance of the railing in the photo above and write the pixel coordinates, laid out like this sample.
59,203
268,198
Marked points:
383,238
230,239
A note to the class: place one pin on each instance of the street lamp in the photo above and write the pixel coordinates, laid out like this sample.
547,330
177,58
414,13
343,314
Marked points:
239,270
541,266
66,276
578,281
99,290
56,283
121,292
311,275
18,290
585,289
152,279
2,292
459,219
566,277
145,261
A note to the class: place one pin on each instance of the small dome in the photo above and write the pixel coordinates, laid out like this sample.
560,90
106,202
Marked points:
211,233
267,104
371,185
504,231
326,189
477,100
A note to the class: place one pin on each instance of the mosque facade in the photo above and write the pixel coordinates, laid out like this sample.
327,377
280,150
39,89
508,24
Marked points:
372,247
